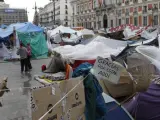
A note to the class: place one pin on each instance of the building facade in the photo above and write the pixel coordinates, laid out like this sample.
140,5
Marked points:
63,13
83,14
112,13
9,16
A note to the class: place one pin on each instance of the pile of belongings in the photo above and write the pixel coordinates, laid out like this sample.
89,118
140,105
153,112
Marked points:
101,95
92,102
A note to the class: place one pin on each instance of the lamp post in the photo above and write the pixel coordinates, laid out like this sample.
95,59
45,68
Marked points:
54,21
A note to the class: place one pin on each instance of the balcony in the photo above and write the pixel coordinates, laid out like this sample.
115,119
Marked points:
127,14
135,1
119,3
155,10
65,19
144,11
135,12
127,2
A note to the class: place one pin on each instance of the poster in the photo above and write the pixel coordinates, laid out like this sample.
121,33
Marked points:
104,69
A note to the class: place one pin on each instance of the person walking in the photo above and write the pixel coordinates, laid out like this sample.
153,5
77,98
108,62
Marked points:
29,56
22,51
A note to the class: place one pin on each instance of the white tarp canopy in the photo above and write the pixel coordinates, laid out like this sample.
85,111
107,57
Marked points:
152,53
6,54
147,35
100,46
144,42
85,32
128,33
4,51
62,29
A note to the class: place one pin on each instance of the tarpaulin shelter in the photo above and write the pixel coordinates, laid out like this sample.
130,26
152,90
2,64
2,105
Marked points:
114,110
3,26
62,29
28,33
145,105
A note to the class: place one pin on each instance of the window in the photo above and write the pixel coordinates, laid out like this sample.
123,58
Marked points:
135,21
145,20
66,7
127,20
66,23
78,9
66,12
155,6
119,21
127,11
155,20
111,23
94,24
144,8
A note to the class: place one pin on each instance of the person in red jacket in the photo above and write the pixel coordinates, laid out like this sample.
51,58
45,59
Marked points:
29,56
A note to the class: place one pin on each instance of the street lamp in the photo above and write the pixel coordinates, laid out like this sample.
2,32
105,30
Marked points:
53,10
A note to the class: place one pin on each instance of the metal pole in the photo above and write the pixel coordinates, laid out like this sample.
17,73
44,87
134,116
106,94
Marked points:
54,21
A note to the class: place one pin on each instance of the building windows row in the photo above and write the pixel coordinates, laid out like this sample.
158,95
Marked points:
84,7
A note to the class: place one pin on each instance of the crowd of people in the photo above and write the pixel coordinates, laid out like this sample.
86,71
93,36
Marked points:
25,56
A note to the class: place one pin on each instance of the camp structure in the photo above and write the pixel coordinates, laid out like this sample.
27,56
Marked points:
116,35
65,35
27,33
145,105
114,110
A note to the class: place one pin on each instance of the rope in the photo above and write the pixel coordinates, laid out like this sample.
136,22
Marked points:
122,102
63,98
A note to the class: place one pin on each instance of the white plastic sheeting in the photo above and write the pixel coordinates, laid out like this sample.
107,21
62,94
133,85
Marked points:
6,54
145,34
144,42
4,51
152,53
128,33
62,29
86,32
100,46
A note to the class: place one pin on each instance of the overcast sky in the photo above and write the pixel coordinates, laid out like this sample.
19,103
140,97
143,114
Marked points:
29,4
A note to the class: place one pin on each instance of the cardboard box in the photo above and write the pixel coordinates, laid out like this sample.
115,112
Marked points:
44,98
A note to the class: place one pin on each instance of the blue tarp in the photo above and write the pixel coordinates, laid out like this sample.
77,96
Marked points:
3,26
20,27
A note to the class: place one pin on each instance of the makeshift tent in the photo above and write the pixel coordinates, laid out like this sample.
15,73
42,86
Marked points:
105,46
62,29
3,26
114,110
153,41
86,33
145,105
151,53
4,51
37,42
149,35
116,35
20,27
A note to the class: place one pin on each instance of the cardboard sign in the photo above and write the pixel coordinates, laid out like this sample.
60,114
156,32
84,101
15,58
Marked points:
44,98
104,69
